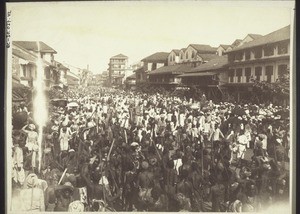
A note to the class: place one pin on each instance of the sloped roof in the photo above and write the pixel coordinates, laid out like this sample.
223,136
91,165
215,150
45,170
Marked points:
176,51
254,36
132,76
157,57
236,43
139,69
199,74
28,57
183,49
61,66
207,57
171,69
119,56
23,55
216,63
203,48
276,36
33,46
225,46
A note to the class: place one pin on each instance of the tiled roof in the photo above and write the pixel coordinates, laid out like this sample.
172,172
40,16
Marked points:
32,45
236,43
201,74
203,48
157,57
276,36
119,56
23,55
61,66
171,69
28,57
255,36
176,51
225,46
207,57
216,63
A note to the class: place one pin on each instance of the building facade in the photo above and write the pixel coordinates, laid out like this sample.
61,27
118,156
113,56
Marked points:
173,57
149,64
24,60
210,78
264,59
168,75
181,61
221,49
117,68
197,54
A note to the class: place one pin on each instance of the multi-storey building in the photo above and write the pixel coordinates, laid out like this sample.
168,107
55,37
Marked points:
235,44
264,58
221,49
149,64
24,68
210,77
181,61
173,57
117,68
197,54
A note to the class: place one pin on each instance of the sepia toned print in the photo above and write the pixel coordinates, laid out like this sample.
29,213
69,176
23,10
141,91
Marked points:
149,106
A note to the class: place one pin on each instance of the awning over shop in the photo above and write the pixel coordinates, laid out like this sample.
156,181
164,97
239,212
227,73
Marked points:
200,74
171,69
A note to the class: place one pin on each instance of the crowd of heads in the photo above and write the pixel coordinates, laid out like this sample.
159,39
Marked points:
106,149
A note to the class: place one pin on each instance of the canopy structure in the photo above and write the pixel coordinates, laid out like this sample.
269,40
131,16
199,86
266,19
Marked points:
210,73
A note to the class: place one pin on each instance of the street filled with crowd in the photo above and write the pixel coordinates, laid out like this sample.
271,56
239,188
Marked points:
107,149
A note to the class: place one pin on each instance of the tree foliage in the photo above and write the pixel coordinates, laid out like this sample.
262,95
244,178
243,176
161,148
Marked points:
281,87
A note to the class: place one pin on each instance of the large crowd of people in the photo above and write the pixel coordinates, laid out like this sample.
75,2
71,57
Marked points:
107,149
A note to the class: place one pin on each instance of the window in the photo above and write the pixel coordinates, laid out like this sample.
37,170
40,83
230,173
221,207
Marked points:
282,70
269,50
247,55
230,57
257,53
231,75
193,55
23,70
239,56
269,73
248,74
239,73
153,66
181,56
283,48
258,72
186,55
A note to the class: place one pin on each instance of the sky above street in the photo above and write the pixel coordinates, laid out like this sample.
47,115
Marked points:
89,33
